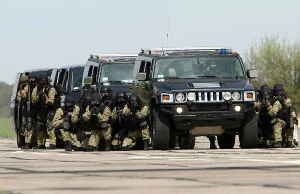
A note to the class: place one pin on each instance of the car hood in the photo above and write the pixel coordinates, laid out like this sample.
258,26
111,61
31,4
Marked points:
203,85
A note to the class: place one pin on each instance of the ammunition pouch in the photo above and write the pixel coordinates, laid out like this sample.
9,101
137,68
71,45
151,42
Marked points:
66,125
103,125
49,125
81,135
274,121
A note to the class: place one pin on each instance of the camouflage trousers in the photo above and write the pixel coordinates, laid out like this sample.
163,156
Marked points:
145,134
70,137
131,138
28,135
52,136
277,130
288,134
41,130
97,135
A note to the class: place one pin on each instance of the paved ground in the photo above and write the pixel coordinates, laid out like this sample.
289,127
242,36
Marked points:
175,171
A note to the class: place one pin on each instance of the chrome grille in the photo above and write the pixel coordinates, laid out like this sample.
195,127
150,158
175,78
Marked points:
210,97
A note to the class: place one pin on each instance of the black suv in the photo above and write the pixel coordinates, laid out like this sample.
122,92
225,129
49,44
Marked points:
197,91
114,70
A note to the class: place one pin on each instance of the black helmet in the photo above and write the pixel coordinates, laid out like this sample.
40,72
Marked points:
122,98
134,100
105,91
96,99
265,91
278,89
43,80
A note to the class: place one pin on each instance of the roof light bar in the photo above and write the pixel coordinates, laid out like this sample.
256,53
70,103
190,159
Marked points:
113,57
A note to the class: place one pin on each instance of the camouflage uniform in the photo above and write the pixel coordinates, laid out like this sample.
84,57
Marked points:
68,135
289,116
140,130
43,98
100,126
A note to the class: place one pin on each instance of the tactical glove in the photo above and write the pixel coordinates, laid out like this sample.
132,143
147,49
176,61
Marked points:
295,121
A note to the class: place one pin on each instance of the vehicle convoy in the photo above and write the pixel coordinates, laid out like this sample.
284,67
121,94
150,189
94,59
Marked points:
198,91
17,109
114,70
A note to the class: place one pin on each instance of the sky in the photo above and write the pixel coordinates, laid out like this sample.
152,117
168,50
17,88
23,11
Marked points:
56,33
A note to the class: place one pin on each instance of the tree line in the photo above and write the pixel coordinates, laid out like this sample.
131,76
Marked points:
5,95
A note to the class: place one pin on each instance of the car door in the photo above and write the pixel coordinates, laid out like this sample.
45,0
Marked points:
145,87
14,110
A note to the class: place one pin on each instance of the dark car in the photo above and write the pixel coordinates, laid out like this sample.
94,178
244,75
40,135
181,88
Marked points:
197,91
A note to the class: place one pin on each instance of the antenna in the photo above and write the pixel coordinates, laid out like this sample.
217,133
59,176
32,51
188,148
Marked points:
168,32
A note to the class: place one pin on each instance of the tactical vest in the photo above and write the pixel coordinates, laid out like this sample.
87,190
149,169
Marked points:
280,113
86,96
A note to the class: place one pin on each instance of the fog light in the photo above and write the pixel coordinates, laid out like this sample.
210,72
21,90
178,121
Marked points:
179,110
237,108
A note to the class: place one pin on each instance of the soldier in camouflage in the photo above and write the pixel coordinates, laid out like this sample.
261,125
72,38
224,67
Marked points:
287,114
97,116
137,114
43,96
118,120
66,119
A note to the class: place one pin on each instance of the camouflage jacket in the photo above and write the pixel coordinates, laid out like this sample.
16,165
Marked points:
50,96
60,116
23,94
101,117
125,111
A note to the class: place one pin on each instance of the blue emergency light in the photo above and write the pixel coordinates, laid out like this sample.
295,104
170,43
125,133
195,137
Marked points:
223,51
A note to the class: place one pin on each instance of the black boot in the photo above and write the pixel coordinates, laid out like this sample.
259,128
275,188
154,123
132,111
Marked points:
51,147
278,144
290,144
212,142
116,148
90,148
42,147
107,145
75,148
68,146
213,146
127,148
26,147
295,142
146,144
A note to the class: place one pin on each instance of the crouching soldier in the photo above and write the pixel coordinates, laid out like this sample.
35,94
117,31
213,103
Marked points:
138,115
97,116
66,119
118,120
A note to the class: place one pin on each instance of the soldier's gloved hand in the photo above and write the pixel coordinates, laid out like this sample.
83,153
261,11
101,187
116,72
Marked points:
295,121
265,102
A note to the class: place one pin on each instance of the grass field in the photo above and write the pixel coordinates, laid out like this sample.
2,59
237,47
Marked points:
5,128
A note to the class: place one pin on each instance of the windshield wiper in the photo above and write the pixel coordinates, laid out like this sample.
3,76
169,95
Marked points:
210,76
170,77
117,82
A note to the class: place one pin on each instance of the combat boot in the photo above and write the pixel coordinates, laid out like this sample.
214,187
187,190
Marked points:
90,148
41,147
68,146
290,144
116,148
75,148
26,147
126,148
213,146
296,142
278,144
146,144
107,145
51,147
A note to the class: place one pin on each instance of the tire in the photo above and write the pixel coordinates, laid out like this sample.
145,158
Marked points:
160,131
249,134
173,141
226,141
20,140
187,142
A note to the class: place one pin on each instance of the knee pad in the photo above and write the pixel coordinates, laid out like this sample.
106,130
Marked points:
143,124
39,127
103,126
49,125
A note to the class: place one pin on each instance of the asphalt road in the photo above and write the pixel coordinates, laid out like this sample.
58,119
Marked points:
174,171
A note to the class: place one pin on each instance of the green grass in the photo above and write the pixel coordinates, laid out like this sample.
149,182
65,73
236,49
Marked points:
6,128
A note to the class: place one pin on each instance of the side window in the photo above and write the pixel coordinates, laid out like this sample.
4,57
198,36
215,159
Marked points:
142,66
61,74
90,71
94,76
66,80
147,70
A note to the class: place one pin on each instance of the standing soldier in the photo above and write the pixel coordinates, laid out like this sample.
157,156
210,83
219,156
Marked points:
66,119
118,120
287,114
138,115
97,116
43,96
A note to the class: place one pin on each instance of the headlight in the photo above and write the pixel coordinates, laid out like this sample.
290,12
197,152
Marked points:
180,97
191,96
179,110
226,95
237,108
236,96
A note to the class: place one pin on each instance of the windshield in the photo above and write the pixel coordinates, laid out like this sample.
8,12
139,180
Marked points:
38,73
76,75
194,67
117,72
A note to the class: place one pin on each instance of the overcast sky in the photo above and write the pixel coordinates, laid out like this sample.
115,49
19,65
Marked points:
54,33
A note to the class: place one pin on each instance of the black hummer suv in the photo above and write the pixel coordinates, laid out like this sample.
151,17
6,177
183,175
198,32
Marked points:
197,91
114,70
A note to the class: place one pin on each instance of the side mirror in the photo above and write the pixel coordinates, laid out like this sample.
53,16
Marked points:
253,73
88,81
141,76
60,88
